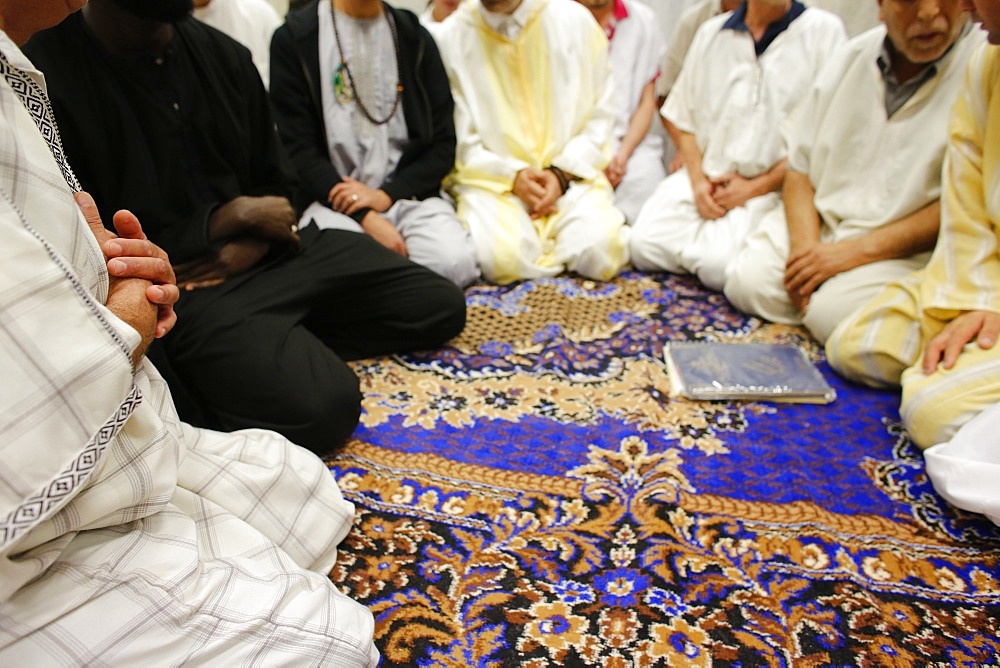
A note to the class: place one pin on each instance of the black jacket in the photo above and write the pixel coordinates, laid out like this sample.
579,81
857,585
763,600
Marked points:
427,103
170,171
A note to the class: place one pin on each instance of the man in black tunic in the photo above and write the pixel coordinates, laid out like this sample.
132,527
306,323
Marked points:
167,117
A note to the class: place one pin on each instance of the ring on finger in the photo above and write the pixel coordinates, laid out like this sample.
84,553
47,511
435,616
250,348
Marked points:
354,197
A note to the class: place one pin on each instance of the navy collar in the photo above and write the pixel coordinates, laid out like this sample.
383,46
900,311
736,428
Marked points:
738,22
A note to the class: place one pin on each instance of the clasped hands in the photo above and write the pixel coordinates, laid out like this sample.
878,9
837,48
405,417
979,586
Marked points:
715,197
538,189
350,196
143,287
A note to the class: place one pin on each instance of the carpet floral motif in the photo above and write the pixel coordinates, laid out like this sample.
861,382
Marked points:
533,495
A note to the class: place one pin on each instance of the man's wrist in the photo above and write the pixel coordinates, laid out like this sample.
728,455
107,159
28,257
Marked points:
563,178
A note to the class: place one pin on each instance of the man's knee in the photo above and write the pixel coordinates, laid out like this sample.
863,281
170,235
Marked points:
437,316
323,418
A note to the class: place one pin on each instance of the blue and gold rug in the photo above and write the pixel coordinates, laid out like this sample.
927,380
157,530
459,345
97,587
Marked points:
532,495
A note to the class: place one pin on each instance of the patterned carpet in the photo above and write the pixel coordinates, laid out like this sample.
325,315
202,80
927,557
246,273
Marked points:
532,496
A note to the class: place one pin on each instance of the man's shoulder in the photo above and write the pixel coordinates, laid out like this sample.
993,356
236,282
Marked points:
406,21
815,18
210,39
568,11
865,46
641,12
711,29
61,51
849,61
956,61
698,13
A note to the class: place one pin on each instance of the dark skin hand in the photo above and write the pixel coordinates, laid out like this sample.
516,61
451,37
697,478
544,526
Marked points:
248,228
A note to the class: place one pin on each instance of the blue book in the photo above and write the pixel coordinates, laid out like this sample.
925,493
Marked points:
710,371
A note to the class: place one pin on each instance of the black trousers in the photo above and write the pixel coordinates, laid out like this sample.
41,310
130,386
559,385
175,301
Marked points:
267,349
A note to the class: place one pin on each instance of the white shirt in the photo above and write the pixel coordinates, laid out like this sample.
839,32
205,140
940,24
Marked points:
249,22
869,170
636,50
734,102
687,25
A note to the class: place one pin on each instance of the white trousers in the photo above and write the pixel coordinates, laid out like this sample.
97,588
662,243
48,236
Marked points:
433,235
671,235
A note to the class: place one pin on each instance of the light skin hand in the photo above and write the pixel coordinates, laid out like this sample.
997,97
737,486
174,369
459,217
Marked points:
529,186
381,230
808,268
546,205
127,299
615,170
538,189
342,197
130,255
704,200
944,349
732,190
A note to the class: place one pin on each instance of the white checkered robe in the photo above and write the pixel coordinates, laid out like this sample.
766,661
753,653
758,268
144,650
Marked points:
127,537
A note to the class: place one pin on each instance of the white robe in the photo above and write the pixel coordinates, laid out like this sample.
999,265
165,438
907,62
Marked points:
868,171
734,103
687,25
249,22
541,96
127,537
637,49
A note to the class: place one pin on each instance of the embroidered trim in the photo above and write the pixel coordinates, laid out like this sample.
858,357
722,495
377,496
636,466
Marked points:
40,107
35,509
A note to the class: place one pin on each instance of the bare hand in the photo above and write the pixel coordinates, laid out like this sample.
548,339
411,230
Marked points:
235,257
269,217
810,267
983,326
704,200
383,231
351,195
616,169
732,190
539,190
132,256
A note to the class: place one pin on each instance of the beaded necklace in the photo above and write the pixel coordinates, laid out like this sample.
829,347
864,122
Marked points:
342,89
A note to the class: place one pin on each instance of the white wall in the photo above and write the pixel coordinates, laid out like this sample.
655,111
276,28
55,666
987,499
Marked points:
416,6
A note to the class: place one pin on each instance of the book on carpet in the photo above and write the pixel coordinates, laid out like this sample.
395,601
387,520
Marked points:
709,371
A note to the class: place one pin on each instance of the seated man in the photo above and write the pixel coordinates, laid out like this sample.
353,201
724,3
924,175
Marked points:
168,118
935,331
637,49
744,73
864,172
364,108
127,537
534,106
687,25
